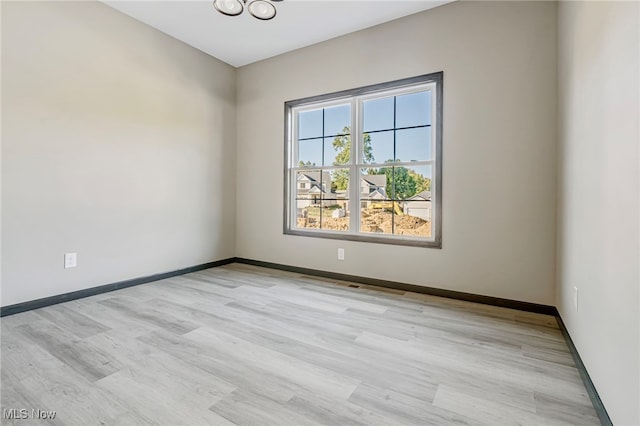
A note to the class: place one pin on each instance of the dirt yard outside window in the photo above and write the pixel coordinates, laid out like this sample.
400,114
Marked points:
384,222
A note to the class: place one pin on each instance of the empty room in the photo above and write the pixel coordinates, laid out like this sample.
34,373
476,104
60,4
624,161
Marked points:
320,212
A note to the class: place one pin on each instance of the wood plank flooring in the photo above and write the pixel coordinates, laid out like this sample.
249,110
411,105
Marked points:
241,345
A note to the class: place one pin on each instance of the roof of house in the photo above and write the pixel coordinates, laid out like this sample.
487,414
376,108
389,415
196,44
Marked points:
377,193
315,187
424,195
375,180
314,176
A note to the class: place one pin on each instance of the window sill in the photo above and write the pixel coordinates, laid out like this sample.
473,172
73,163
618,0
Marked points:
398,241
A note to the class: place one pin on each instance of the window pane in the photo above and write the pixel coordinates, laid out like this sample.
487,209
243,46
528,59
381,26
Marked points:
310,124
409,213
378,114
413,144
333,217
373,183
413,109
339,183
376,210
376,216
378,147
309,153
308,217
311,186
415,219
379,221
409,182
337,150
337,120
335,203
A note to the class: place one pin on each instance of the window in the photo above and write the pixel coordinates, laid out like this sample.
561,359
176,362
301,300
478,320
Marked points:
366,164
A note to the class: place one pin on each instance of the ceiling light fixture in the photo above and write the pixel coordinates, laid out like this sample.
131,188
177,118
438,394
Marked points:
261,9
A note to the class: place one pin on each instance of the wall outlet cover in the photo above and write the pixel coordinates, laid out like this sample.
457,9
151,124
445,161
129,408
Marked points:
70,260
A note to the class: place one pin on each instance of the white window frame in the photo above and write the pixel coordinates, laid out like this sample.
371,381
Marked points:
355,98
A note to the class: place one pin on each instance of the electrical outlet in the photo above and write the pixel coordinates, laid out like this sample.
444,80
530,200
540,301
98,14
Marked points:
575,298
340,254
70,260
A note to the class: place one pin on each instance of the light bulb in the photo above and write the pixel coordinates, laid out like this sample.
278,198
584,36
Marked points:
228,7
262,9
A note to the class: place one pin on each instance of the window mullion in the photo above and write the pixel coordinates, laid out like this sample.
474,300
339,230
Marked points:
354,193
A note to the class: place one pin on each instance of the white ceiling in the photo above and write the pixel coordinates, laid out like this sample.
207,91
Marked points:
241,40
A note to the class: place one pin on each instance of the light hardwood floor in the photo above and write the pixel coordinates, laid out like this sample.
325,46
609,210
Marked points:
252,346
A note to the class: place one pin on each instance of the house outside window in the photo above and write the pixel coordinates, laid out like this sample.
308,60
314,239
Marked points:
366,164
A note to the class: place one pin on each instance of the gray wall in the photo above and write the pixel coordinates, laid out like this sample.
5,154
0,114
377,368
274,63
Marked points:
117,144
598,207
499,63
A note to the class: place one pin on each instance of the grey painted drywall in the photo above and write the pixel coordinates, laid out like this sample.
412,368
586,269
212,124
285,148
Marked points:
598,207
499,63
117,144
